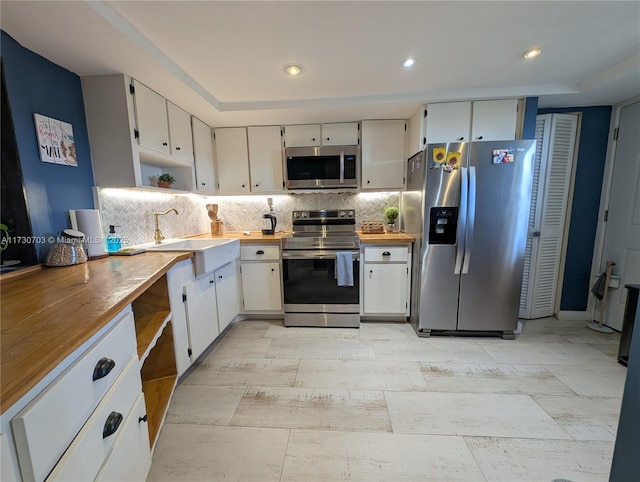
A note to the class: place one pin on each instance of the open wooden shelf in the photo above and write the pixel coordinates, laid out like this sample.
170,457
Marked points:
159,376
151,310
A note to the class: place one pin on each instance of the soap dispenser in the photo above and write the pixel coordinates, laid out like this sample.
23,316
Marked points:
114,243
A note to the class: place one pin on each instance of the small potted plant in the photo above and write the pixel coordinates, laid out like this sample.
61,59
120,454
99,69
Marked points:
392,214
165,180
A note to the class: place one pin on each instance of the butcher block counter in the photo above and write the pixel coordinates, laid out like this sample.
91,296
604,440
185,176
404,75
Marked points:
386,238
48,313
253,237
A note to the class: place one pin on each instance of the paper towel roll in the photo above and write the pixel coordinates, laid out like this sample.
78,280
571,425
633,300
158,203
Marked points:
88,221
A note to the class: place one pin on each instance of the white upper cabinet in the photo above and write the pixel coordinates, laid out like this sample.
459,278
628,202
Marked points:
494,120
203,153
130,136
265,159
232,157
383,156
180,136
302,135
484,120
340,134
448,122
151,119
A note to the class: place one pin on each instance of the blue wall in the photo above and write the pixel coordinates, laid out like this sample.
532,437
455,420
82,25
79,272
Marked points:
530,113
592,154
36,85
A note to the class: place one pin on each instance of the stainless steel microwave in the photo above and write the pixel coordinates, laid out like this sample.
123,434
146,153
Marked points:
322,167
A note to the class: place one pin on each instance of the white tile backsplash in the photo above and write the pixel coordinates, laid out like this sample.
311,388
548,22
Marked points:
133,210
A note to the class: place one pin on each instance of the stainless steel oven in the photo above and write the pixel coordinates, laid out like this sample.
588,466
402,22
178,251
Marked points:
312,295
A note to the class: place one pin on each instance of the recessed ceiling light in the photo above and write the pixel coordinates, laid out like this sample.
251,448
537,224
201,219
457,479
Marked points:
408,63
530,54
292,69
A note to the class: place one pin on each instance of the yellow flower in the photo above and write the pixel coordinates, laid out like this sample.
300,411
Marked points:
453,159
439,154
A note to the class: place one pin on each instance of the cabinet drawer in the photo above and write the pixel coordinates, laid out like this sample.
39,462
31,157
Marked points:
86,454
258,252
388,254
130,458
46,427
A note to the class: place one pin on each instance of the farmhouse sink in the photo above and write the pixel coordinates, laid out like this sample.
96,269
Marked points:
209,254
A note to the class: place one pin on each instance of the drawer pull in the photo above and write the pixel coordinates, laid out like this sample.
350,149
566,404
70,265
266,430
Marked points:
259,252
142,419
111,425
386,253
103,368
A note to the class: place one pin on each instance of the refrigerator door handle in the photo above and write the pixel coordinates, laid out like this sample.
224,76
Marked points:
472,219
462,219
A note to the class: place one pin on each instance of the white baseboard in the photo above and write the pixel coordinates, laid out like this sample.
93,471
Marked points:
574,315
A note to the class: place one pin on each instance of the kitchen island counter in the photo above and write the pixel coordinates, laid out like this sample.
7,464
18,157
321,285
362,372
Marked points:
48,313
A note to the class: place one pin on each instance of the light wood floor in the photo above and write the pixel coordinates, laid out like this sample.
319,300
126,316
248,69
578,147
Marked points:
378,403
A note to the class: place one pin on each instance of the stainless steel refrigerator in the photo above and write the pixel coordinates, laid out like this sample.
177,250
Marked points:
467,205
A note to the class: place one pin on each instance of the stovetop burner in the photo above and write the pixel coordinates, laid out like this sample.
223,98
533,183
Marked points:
323,229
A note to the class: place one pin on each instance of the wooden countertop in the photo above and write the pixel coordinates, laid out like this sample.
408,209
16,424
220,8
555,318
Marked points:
254,237
390,238
47,313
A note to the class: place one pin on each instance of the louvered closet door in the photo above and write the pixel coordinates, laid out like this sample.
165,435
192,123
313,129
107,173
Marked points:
556,137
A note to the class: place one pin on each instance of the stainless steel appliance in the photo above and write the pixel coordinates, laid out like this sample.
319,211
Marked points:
310,259
467,205
322,167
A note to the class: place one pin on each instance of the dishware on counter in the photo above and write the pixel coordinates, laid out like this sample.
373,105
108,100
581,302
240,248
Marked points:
68,250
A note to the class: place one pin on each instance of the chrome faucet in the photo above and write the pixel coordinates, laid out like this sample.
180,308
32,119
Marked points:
158,234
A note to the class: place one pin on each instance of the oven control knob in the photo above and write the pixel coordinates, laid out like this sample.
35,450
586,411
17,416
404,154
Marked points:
305,214
296,215
342,214
350,214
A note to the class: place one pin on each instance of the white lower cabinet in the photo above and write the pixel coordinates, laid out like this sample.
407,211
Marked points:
226,295
130,458
261,279
202,316
386,280
85,456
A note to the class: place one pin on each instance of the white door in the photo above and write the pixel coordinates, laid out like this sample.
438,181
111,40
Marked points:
180,132
622,235
232,157
556,139
202,313
448,122
494,120
341,134
265,158
385,288
383,160
151,118
203,152
226,295
261,286
302,135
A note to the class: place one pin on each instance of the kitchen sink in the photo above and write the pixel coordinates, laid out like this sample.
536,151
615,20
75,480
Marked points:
209,254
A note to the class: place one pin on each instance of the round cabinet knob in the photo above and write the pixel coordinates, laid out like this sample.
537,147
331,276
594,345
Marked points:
220,277
368,182
479,137
536,234
460,138
257,185
243,185
328,139
165,144
177,148
203,183
313,139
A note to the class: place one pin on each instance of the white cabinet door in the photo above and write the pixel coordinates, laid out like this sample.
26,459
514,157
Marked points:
448,122
494,120
203,153
202,314
383,159
226,295
151,119
340,134
232,157
180,132
385,289
265,158
302,135
261,286
177,277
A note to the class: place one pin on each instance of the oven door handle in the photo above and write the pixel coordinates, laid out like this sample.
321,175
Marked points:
341,167
316,255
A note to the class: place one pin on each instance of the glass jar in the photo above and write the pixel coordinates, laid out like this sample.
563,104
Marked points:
68,250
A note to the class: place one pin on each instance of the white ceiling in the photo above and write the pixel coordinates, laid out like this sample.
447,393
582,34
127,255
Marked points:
223,61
